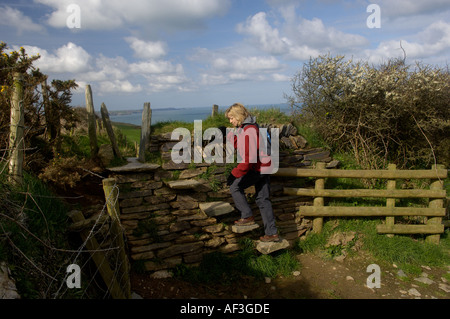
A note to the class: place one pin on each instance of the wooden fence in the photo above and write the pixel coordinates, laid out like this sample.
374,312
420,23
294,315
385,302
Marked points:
432,214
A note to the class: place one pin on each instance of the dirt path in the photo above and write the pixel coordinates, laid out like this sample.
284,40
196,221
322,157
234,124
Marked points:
318,278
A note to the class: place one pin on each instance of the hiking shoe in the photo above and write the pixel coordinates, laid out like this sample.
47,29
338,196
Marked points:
245,221
270,238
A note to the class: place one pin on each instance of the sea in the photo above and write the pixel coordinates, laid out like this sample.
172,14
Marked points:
181,114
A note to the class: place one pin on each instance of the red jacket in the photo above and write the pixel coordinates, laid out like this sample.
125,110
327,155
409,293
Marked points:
246,142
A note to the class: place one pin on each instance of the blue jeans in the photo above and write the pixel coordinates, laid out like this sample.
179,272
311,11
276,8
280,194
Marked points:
262,187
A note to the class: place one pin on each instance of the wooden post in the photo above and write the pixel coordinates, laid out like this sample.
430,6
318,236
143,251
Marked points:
99,258
92,123
145,131
16,135
390,202
109,129
112,202
215,110
47,110
319,201
435,203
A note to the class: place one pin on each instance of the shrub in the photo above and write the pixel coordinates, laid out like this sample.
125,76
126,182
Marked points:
391,113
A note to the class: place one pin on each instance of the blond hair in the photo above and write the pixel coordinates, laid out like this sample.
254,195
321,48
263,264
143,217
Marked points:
237,111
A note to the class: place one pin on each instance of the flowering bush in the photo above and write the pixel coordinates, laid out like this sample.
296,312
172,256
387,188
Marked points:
391,113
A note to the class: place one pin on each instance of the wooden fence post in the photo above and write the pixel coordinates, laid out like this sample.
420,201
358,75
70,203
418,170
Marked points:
99,258
215,110
435,203
16,135
109,129
112,202
92,123
390,202
145,131
319,201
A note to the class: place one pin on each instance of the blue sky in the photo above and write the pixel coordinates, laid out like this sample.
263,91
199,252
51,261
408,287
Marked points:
191,53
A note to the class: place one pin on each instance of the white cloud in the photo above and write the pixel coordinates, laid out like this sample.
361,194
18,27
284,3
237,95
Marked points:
433,41
226,66
111,14
298,38
265,36
408,8
16,19
147,49
68,58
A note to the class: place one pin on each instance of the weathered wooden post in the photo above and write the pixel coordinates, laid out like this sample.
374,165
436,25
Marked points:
47,110
109,129
92,123
16,142
111,191
390,202
109,276
435,203
145,131
215,110
319,201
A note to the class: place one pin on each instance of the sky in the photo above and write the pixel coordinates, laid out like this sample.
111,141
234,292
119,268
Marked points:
195,53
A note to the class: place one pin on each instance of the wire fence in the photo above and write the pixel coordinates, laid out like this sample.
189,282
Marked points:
92,264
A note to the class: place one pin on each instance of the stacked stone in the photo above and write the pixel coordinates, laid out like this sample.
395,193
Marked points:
175,213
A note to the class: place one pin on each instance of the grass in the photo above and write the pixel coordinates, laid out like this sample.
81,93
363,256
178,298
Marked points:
29,245
407,252
217,267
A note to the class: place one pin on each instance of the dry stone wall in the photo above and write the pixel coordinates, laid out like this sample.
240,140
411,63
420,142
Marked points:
176,213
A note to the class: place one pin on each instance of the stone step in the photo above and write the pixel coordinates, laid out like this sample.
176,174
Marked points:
239,229
213,209
270,247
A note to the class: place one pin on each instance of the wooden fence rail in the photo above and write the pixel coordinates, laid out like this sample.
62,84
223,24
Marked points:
433,213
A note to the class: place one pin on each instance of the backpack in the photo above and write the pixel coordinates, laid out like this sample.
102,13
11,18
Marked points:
265,144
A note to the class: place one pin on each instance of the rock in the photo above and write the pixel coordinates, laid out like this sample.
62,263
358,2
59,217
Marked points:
161,274
106,154
8,288
296,273
299,140
414,292
340,239
333,164
349,278
444,287
269,247
401,274
134,166
243,228
424,280
267,280
216,208
135,296
183,184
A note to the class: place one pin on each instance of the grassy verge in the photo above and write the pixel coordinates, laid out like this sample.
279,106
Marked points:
407,252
